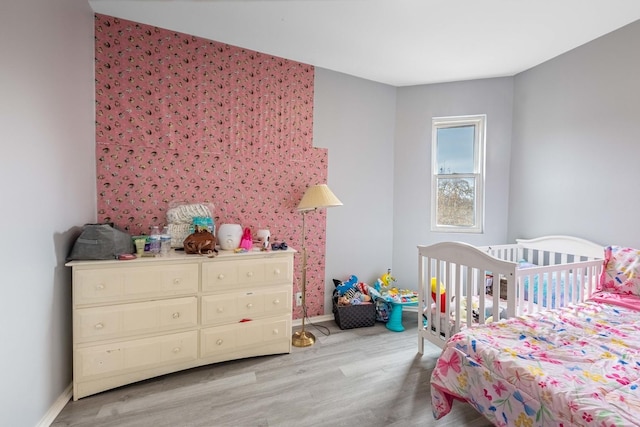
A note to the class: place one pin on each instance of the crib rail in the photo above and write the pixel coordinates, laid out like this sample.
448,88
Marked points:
463,272
558,285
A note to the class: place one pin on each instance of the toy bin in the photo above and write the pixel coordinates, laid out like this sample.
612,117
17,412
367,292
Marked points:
354,316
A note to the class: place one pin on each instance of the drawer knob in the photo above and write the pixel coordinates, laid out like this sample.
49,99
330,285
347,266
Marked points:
275,332
220,276
276,271
176,350
276,301
249,305
99,325
176,281
249,273
219,342
220,309
100,286
176,315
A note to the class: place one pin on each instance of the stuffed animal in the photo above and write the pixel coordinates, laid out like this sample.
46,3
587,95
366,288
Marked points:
387,278
442,292
346,285
383,283
351,293
363,288
343,301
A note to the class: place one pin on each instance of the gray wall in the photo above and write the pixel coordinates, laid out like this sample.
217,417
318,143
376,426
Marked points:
47,174
574,123
412,182
574,168
354,119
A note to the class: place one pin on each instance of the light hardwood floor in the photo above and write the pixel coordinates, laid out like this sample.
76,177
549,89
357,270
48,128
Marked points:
367,376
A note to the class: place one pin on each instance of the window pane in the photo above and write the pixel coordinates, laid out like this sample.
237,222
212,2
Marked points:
456,201
455,149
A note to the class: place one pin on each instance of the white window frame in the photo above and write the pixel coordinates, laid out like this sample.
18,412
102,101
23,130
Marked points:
479,123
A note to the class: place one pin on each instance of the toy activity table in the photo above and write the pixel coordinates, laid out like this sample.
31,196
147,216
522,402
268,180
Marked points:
395,317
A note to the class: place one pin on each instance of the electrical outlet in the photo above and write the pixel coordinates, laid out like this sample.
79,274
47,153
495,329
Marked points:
298,299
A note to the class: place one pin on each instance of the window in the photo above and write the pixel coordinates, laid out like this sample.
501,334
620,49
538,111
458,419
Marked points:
457,197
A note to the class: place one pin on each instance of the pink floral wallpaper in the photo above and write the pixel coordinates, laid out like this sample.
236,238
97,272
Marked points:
181,118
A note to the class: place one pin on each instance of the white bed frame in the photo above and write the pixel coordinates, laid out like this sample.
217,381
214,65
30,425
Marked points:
462,268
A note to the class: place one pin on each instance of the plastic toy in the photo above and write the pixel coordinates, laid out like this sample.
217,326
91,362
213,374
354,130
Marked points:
443,293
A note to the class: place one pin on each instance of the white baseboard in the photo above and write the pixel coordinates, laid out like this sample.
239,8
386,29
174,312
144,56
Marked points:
57,407
67,394
316,319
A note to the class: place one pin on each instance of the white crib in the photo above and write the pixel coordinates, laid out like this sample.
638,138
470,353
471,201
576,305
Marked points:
560,270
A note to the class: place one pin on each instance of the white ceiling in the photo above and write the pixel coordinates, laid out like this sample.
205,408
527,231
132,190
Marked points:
397,42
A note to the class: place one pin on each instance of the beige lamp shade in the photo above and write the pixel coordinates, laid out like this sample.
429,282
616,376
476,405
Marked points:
318,196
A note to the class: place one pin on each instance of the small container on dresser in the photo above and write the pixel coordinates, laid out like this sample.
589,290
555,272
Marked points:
154,240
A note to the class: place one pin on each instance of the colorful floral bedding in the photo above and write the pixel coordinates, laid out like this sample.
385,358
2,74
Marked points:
573,366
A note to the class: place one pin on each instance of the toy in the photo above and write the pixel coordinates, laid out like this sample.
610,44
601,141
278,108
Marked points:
378,286
387,278
374,293
356,297
443,293
345,286
363,288
351,292
382,284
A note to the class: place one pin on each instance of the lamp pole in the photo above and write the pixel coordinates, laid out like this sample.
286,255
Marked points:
304,270
316,196
303,338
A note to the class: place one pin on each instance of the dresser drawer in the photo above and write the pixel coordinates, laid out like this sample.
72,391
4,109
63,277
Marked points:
225,275
104,285
242,336
130,356
234,307
124,320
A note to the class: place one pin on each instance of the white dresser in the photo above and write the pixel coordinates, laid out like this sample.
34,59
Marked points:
137,319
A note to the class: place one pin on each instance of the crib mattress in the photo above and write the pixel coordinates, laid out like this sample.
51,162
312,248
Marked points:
429,313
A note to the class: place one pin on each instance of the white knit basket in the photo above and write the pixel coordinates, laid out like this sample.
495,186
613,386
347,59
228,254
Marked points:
180,220
178,233
184,214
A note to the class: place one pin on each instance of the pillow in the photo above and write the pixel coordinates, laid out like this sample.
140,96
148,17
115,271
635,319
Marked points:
621,272
523,263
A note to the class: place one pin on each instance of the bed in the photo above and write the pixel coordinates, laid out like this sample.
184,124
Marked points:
576,365
458,283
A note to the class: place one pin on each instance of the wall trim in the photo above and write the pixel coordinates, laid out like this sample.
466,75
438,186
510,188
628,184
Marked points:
57,407
315,319
67,394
